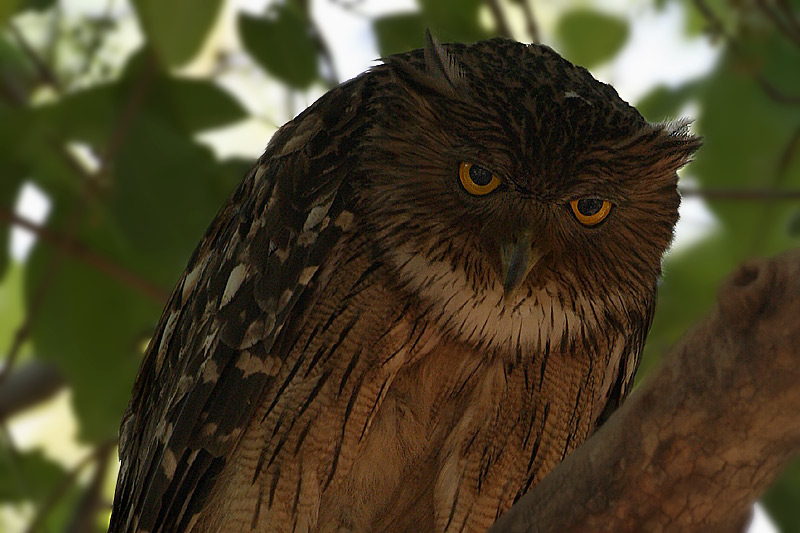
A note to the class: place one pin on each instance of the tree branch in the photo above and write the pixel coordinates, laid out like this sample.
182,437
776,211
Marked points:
46,74
85,514
717,29
704,436
499,19
740,194
530,20
28,386
82,253
99,453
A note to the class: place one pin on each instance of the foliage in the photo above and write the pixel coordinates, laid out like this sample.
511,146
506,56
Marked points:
123,226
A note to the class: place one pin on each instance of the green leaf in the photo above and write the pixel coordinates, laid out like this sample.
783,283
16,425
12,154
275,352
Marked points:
454,20
11,310
399,33
282,44
747,137
177,28
39,5
196,105
781,499
93,328
189,105
164,197
27,476
664,103
17,75
794,224
12,177
589,38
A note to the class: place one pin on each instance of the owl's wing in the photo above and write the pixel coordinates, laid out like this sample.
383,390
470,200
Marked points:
205,365
629,360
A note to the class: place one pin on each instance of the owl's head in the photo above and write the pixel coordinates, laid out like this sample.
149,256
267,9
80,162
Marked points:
507,185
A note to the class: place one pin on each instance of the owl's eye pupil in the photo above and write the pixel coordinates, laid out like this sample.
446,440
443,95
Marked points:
480,176
589,206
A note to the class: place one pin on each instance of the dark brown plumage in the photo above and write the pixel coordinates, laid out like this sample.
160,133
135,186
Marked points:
359,343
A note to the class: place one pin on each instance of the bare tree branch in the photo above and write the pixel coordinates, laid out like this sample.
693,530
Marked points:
717,29
129,113
784,26
97,454
85,513
46,74
33,383
499,19
704,436
740,194
530,20
79,251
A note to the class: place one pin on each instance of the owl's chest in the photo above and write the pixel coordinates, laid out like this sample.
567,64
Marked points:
459,421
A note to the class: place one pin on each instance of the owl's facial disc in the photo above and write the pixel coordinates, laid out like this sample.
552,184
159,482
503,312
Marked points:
517,259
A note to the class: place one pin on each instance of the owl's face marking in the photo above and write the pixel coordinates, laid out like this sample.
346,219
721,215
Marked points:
582,209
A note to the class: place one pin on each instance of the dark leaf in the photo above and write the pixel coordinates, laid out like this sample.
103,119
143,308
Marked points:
782,498
399,33
166,192
281,43
39,5
664,103
589,38
27,476
794,225
454,20
178,28
91,326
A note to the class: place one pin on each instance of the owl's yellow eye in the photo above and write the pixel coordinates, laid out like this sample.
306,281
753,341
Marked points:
477,180
590,211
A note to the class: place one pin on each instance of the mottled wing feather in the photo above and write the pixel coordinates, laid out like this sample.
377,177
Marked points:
208,361
629,362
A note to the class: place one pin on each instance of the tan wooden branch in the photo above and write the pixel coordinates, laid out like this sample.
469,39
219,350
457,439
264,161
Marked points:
704,436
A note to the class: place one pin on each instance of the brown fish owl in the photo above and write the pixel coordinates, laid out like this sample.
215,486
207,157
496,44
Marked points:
434,285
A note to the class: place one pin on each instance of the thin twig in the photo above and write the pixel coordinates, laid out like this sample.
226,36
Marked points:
499,19
530,20
790,33
129,114
740,194
84,515
67,481
96,41
788,154
46,73
776,94
788,12
716,28
35,302
28,386
79,251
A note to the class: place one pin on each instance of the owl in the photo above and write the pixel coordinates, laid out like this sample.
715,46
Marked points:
434,285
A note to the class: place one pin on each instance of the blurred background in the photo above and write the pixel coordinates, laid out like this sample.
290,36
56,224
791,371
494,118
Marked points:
124,125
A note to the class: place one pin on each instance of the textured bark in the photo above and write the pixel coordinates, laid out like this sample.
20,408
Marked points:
704,436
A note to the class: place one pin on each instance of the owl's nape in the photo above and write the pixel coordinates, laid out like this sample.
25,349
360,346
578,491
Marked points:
435,283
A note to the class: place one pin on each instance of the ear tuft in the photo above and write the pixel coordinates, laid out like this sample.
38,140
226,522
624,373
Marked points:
678,144
443,69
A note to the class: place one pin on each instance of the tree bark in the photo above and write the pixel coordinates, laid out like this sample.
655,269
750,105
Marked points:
704,436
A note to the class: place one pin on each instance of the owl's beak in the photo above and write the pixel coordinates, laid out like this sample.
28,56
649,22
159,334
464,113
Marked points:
517,258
